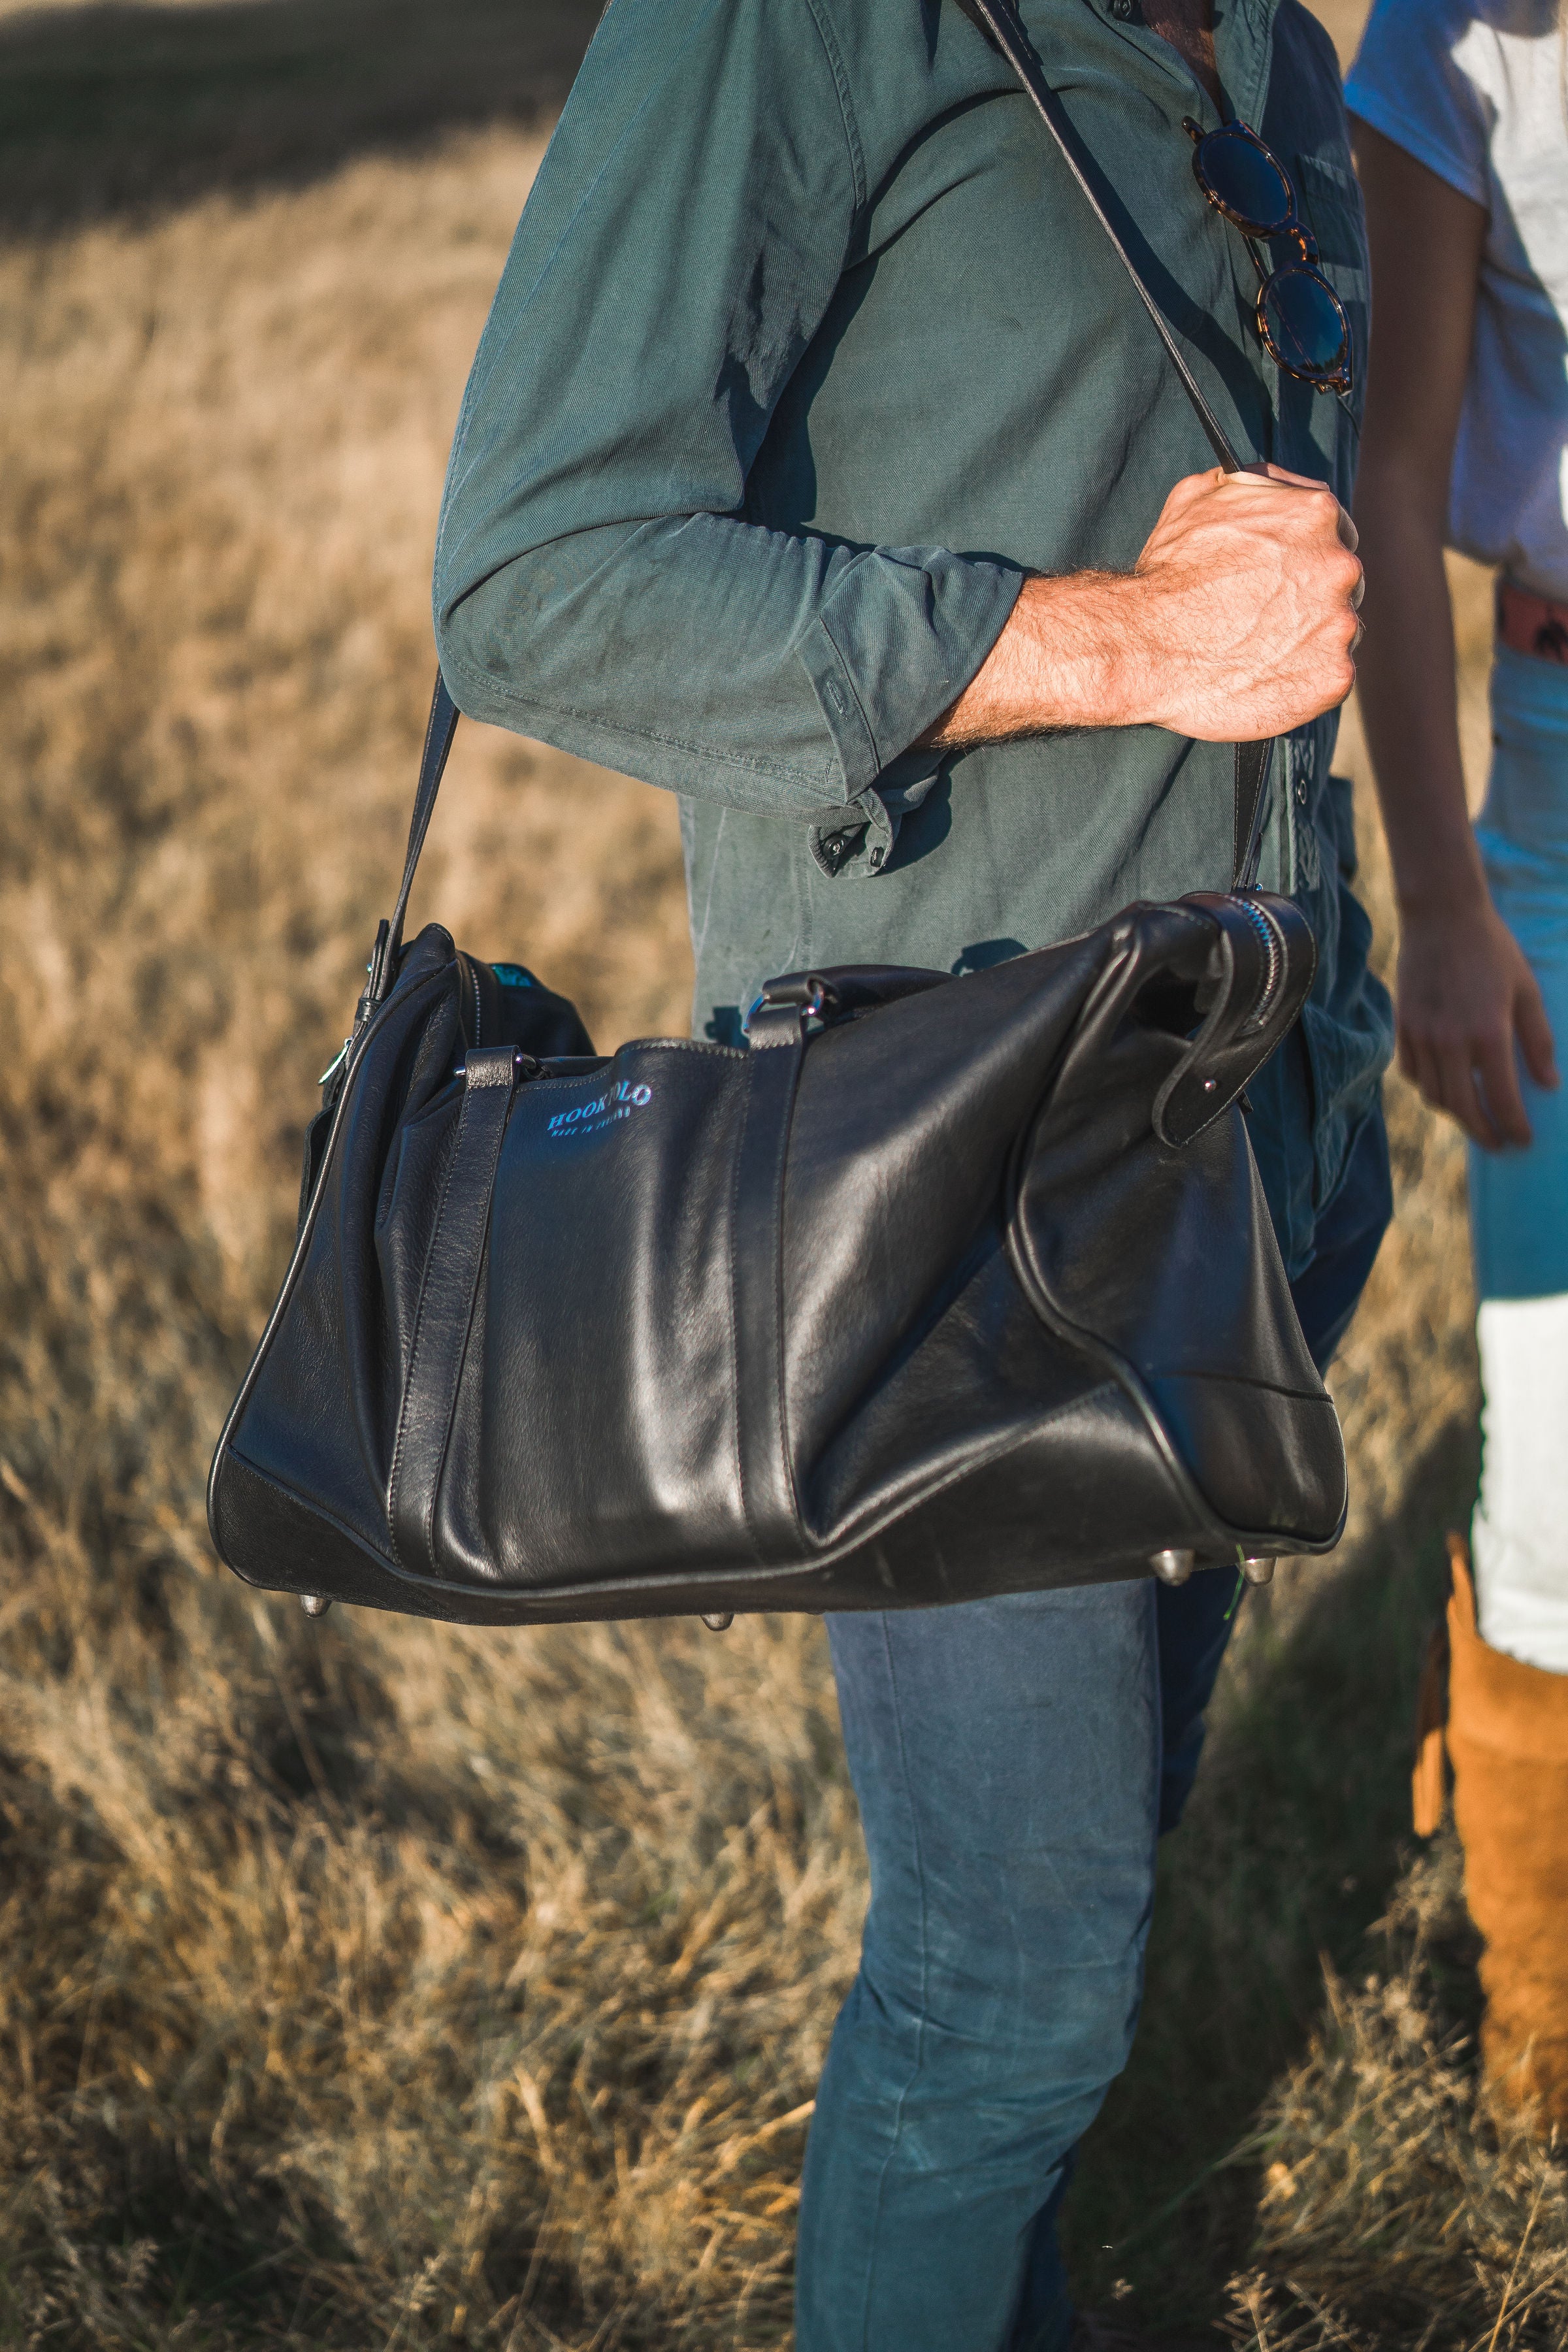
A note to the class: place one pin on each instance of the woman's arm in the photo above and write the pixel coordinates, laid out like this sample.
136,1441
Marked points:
1465,993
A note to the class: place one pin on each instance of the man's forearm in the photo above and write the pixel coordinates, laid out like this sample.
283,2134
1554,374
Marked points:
1237,623
1062,660
1409,701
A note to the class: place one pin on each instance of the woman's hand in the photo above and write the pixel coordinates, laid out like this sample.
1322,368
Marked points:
1465,995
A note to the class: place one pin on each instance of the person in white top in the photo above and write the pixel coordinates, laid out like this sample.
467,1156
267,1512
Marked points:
1461,117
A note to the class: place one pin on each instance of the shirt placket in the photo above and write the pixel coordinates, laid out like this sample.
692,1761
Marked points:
1244,45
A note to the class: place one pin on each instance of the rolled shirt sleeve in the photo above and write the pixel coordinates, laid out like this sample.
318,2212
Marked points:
599,584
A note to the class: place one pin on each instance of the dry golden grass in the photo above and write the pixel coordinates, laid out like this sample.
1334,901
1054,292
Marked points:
1379,2157
380,1984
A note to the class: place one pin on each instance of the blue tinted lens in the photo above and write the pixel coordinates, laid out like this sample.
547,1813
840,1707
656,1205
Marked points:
1305,325
1240,172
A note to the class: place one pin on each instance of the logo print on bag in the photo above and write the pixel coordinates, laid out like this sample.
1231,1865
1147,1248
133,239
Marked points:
604,1110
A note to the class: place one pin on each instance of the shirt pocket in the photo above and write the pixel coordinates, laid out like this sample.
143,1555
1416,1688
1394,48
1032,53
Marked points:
1329,197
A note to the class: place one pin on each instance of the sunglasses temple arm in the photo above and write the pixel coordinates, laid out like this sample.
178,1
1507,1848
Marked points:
1007,32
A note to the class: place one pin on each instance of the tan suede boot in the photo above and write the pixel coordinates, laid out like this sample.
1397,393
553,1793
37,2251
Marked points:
1508,1743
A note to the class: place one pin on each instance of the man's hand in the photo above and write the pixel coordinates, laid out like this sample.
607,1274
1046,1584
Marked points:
1238,623
1464,994
1250,587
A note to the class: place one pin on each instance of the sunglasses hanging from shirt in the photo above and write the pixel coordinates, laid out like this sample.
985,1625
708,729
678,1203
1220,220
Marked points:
947,1287
1300,319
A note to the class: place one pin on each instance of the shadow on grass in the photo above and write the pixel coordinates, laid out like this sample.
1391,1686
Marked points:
1296,1834
114,108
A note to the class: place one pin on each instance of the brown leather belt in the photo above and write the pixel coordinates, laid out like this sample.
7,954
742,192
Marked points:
1527,624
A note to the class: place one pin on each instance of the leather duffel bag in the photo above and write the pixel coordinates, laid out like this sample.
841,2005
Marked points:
944,1287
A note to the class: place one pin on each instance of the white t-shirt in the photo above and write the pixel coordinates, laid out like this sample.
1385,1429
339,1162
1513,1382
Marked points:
1477,91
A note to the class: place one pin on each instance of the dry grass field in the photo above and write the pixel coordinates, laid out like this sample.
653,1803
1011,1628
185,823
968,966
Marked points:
377,1985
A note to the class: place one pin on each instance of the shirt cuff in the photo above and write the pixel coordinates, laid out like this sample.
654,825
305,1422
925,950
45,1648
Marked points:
896,643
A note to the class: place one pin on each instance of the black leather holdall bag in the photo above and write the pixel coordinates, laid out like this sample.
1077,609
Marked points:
946,1286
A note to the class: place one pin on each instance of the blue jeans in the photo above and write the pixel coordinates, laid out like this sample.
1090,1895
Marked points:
1014,1762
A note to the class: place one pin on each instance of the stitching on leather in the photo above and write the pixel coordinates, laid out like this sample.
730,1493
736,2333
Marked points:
493,1161
735,1317
797,1057
403,1418
882,1522
571,1596
1246,1380
304,1241
1030,1277
683,1046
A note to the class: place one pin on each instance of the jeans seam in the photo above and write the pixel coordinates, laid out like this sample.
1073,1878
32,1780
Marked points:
924,1981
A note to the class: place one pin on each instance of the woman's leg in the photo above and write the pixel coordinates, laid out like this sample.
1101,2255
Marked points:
1520,1534
1005,1754
1508,1729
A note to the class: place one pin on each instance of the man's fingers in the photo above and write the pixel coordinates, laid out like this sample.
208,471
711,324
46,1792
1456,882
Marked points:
1499,1091
1269,472
1276,484
1535,1036
1274,478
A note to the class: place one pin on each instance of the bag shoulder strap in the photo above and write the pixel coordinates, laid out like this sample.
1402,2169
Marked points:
440,728
1003,28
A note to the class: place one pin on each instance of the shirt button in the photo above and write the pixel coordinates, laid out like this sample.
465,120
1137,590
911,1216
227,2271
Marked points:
1123,10
1301,792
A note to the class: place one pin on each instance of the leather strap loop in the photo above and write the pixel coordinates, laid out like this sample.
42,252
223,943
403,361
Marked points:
1264,960
446,1310
778,1048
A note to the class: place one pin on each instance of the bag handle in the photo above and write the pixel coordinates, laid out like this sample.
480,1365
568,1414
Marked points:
1002,26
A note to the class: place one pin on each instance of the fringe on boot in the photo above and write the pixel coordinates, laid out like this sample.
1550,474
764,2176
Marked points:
1505,1725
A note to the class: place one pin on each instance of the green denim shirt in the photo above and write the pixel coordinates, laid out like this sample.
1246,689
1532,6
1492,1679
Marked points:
806,351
